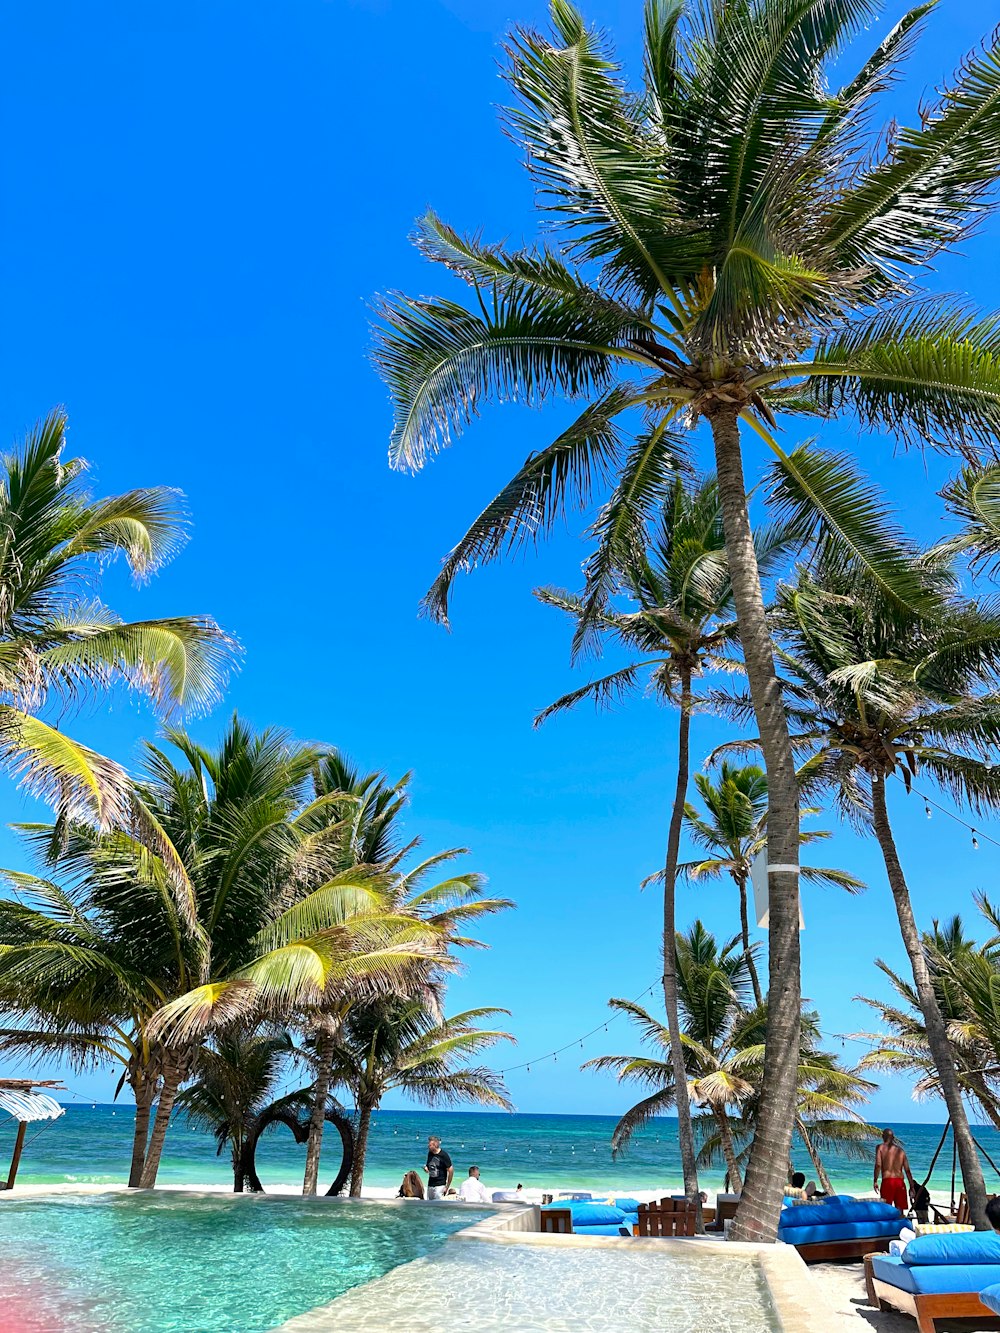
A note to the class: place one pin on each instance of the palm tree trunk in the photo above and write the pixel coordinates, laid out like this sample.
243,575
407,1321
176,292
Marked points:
317,1111
360,1148
173,1076
817,1161
937,1036
758,994
144,1089
757,1218
733,1176
685,1132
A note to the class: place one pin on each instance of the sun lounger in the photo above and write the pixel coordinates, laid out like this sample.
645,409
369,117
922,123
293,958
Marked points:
591,1218
669,1217
839,1228
938,1277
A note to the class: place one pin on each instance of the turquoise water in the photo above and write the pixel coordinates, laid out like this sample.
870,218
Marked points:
175,1264
550,1151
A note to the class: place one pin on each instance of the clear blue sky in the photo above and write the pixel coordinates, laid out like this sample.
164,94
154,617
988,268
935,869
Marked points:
200,199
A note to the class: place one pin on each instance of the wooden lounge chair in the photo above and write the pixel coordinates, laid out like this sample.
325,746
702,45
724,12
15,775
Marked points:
725,1210
669,1217
926,1309
962,1215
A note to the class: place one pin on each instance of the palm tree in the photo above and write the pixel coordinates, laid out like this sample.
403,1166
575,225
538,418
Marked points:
732,242
876,692
60,644
402,1044
236,1079
717,1028
140,960
966,978
356,819
733,832
682,627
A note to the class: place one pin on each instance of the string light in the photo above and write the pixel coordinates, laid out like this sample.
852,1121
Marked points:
927,810
975,841
929,803
577,1041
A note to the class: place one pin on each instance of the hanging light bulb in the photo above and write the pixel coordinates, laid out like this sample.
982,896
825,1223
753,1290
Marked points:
927,810
975,841
528,1068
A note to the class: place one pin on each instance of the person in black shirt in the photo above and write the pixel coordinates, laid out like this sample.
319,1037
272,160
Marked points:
439,1169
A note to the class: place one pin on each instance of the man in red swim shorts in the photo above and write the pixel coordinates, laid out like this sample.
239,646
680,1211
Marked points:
891,1163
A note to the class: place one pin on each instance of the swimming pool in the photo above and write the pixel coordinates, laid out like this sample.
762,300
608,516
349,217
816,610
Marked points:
175,1263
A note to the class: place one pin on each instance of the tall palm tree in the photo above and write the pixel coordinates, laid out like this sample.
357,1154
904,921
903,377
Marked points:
60,645
402,1044
679,625
733,831
877,692
734,243
717,1028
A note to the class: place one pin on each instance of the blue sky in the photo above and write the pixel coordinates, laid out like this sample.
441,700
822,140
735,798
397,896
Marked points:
200,200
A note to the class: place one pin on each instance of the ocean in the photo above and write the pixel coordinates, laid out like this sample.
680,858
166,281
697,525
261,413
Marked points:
91,1144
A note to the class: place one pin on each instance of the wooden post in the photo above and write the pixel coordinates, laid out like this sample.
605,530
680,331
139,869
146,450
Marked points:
18,1145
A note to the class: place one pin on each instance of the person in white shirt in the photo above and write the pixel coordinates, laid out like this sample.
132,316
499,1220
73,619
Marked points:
472,1189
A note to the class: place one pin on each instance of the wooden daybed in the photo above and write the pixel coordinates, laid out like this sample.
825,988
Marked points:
925,1309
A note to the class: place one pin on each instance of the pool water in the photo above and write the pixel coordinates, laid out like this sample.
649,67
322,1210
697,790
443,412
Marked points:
128,1263
498,1288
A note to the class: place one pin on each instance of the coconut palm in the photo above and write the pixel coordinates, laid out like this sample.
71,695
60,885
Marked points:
733,831
966,979
127,958
357,821
401,1044
732,242
679,626
876,692
717,1027
235,1081
60,644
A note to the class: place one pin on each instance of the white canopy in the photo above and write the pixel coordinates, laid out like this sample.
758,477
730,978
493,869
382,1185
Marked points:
29,1105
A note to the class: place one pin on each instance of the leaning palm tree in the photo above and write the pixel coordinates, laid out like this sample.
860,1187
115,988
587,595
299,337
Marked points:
878,692
732,243
733,831
400,1044
60,645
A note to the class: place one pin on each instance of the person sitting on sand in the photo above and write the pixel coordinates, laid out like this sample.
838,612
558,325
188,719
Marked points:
472,1189
412,1187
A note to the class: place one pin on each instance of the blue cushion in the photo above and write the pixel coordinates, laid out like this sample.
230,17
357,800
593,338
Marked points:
991,1298
815,1235
837,1209
607,1230
962,1247
594,1214
934,1279
627,1205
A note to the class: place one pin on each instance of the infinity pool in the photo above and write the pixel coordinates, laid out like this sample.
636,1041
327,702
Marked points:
125,1263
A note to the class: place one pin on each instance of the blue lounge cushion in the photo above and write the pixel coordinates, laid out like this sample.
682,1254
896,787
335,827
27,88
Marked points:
963,1247
991,1298
595,1214
934,1279
627,1205
608,1230
815,1235
839,1210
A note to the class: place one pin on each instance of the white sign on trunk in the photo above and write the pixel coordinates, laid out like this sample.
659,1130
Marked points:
761,891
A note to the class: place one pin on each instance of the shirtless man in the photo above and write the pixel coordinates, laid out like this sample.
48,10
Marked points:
891,1162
